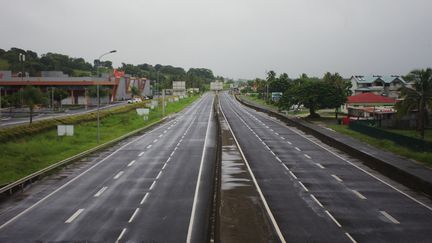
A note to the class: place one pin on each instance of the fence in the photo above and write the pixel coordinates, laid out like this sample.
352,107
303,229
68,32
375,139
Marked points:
367,127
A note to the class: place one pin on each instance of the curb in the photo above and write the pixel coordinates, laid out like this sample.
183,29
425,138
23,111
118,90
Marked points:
414,176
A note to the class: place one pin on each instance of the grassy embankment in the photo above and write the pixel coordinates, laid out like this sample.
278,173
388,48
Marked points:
423,157
23,156
327,119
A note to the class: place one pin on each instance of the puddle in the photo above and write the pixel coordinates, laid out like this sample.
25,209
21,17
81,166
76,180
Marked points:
242,217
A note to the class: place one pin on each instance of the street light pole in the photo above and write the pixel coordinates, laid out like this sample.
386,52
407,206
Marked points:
97,90
0,105
21,58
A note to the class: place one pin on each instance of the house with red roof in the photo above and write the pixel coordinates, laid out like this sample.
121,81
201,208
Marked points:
370,106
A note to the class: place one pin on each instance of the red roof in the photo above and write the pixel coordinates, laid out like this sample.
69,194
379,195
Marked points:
370,98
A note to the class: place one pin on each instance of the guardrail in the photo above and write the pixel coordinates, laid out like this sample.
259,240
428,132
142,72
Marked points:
34,176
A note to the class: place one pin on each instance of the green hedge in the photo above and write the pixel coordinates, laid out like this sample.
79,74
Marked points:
36,127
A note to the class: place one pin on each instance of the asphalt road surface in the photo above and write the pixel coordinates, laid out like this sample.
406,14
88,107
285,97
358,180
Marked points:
315,194
156,188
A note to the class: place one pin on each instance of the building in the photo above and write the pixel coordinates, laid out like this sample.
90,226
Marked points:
370,105
380,85
119,85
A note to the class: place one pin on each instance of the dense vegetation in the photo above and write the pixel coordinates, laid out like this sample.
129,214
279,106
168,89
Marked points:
313,93
164,74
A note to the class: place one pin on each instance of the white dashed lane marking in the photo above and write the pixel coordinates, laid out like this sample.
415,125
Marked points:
74,216
337,178
100,191
131,163
389,217
118,175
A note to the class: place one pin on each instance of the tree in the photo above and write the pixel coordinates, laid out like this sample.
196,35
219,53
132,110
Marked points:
135,91
342,89
312,93
59,95
280,84
32,96
418,98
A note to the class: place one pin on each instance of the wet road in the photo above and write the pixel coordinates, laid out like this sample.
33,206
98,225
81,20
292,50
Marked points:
315,194
156,188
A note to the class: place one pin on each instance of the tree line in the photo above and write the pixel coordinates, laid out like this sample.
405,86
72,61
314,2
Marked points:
330,91
78,67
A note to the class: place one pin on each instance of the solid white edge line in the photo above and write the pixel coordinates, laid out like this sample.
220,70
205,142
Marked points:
304,187
131,163
100,191
133,215
278,159
359,168
118,175
78,176
316,200
121,235
293,175
389,217
286,167
273,220
332,218
350,237
195,200
74,216
358,194
163,167
144,198
366,172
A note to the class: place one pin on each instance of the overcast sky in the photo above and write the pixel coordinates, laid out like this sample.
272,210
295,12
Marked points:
234,38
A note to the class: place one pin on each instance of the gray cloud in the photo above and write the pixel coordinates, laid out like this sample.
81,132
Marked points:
238,39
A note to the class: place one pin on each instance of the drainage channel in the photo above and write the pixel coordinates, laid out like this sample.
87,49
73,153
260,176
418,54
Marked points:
241,216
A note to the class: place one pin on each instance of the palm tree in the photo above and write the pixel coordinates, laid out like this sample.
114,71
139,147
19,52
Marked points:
418,98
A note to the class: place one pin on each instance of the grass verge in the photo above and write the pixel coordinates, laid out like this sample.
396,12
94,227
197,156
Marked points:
423,157
25,155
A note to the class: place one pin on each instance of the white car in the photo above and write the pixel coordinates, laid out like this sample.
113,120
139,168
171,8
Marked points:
134,100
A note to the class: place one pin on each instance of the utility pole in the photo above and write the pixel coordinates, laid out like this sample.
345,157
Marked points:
21,58
85,98
163,102
52,99
0,105
97,90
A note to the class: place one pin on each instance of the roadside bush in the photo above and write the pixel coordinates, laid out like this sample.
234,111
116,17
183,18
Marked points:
8,134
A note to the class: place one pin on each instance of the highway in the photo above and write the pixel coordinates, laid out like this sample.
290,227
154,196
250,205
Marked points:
317,195
155,188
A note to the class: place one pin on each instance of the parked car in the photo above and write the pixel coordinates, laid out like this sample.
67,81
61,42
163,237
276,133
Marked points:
134,100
